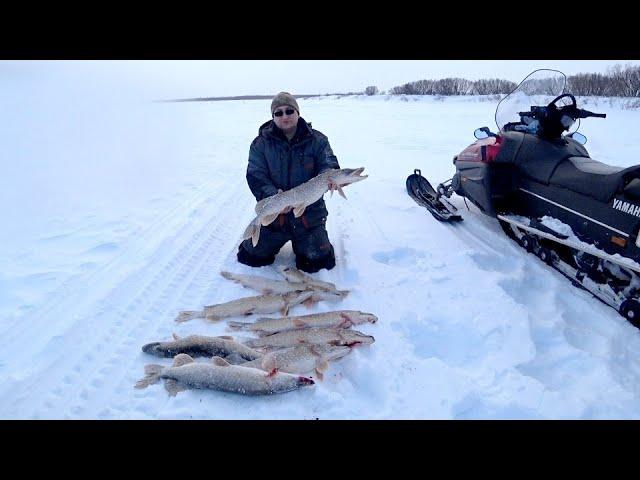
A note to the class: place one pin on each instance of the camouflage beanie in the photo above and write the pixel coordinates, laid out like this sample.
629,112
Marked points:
282,99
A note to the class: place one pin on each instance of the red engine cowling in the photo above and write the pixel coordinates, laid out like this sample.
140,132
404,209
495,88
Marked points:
484,150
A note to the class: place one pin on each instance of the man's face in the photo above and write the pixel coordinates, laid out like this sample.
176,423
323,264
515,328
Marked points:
286,118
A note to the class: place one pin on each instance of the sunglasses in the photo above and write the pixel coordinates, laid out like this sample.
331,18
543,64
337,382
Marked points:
279,113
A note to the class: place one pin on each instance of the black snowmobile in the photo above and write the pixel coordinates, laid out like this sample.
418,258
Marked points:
578,215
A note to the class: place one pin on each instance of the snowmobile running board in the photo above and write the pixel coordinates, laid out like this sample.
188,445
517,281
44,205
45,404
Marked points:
584,247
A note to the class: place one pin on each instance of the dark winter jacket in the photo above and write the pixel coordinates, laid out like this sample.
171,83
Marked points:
277,163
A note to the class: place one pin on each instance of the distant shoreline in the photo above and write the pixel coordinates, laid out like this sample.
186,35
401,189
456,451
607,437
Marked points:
244,97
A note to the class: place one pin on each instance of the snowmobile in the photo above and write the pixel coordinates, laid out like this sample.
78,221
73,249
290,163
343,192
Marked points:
576,214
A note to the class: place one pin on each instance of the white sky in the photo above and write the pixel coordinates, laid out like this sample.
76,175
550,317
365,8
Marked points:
186,78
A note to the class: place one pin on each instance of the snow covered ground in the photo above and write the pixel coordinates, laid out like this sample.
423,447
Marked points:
118,212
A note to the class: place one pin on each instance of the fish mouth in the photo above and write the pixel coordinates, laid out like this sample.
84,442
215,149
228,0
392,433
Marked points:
150,347
352,176
305,381
355,175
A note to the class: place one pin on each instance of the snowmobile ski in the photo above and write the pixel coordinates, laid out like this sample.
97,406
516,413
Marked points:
424,195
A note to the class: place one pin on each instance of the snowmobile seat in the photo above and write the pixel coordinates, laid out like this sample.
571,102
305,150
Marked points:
589,177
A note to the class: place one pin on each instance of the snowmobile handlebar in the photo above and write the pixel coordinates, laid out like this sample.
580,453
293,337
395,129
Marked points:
586,114
551,120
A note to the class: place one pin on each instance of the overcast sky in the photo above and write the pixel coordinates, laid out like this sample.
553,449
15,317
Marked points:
185,79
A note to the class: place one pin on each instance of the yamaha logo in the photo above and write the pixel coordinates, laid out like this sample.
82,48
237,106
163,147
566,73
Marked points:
626,207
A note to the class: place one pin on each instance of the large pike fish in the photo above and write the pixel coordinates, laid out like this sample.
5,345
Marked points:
202,346
327,336
220,375
300,197
247,306
294,275
339,319
269,286
301,359
264,285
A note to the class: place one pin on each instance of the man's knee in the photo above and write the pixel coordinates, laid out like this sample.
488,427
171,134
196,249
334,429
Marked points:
313,263
254,260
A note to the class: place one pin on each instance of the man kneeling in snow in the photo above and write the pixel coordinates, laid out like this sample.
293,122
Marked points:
286,153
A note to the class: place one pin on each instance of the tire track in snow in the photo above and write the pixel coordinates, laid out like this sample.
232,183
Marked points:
143,297
78,292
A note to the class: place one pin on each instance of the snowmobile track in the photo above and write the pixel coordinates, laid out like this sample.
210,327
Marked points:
120,317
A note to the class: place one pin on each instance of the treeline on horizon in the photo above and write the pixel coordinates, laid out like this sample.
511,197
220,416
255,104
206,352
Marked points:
619,81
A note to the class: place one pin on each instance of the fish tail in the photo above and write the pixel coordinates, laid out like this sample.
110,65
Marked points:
227,275
187,315
152,375
252,232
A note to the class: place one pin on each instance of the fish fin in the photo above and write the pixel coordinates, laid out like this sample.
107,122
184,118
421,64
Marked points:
262,333
346,321
255,236
299,210
319,374
268,363
310,302
268,219
285,310
341,193
175,336
251,228
260,204
220,362
182,359
299,323
152,375
173,387
213,318
322,365
225,337
187,315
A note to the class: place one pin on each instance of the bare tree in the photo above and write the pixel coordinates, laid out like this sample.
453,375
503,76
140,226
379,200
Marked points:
372,90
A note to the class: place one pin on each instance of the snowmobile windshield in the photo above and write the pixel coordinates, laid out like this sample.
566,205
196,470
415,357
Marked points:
537,89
